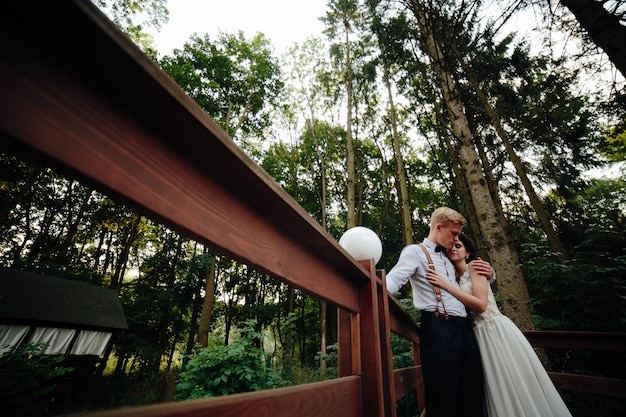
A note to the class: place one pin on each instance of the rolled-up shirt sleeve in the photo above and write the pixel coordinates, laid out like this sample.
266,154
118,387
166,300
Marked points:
406,266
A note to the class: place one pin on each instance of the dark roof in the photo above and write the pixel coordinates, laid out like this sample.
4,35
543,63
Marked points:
30,298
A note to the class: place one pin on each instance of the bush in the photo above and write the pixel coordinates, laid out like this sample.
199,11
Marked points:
28,380
222,370
587,292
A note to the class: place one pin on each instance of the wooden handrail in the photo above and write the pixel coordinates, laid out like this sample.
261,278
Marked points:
336,398
606,341
596,385
595,341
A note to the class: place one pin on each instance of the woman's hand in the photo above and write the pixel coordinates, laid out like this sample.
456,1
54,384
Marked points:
437,280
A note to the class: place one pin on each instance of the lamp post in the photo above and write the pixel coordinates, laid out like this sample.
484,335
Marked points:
362,244
365,338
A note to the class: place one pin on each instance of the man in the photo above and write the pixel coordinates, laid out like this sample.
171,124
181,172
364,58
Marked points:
451,365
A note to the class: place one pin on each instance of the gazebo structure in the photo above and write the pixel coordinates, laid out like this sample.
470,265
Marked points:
72,318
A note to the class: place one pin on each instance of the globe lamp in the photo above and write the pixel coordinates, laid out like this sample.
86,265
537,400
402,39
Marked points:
362,244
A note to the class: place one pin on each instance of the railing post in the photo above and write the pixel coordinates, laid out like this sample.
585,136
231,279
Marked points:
349,359
421,393
365,346
389,394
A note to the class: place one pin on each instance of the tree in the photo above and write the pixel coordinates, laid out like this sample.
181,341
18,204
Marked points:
133,16
234,80
209,301
401,182
511,285
342,16
603,26
534,198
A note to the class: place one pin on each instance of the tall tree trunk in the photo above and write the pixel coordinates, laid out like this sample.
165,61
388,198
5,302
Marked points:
120,266
16,251
324,305
603,27
40,249
492,184
195,310
323,330
70,236
228,320
98,252
351,177
544,219
108,254
460,187
291,299
401,185
120,366
493,190
207,305
511,285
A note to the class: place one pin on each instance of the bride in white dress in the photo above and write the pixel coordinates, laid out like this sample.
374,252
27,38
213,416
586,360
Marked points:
516,383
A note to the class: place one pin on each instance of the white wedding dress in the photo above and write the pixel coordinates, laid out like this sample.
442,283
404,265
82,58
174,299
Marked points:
516,383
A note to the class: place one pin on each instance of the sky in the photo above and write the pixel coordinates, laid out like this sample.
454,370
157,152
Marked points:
284,22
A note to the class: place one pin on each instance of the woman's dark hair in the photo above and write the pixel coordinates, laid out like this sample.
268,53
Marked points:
470,247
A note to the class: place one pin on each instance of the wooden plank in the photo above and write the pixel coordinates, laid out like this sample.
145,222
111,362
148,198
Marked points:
349,354
589,384
406,380
371,353
577,340
421,392
335,398
78,93
401,322
389,396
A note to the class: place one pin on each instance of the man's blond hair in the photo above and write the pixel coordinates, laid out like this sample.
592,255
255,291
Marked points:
445,216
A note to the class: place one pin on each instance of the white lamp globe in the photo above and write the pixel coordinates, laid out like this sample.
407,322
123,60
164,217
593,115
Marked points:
362,244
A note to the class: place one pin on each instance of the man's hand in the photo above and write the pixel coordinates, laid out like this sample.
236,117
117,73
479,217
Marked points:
483,268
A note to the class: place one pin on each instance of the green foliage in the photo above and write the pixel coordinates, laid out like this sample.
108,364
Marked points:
28,380
234,79
133,14
604,204
613,146
402,349
579,294
331,358
601,205
587,293
222,370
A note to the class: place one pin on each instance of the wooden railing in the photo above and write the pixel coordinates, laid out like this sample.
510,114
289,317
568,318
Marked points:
591,341
367,384
78,95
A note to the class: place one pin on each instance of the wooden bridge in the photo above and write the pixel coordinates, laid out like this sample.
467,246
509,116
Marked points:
77,94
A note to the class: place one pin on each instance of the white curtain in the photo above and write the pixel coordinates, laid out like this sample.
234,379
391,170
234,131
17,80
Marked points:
91,343
11,337
59,339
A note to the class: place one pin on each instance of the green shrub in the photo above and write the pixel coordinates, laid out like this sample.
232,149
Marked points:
28,380
222,370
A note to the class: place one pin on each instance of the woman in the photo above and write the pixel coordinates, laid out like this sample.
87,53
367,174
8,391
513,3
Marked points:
516,383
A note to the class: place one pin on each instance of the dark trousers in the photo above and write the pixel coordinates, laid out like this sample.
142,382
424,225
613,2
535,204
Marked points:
452,368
